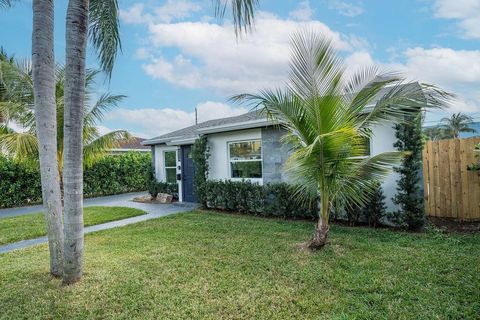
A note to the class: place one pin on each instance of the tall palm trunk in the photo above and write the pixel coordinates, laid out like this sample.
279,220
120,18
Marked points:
319,239
76,42
43,64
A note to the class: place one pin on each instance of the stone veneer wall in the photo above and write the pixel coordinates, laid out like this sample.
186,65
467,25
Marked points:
275,154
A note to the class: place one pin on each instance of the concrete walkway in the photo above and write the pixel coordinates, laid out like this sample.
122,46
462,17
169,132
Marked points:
153,211
118,200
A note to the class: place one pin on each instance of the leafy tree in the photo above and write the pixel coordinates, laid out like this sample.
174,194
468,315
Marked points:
328,115
456,124
409,195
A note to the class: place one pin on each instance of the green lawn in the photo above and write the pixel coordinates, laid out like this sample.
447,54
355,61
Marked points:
213,265
33,225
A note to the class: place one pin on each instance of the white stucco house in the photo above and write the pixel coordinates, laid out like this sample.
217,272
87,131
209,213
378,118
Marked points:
241,147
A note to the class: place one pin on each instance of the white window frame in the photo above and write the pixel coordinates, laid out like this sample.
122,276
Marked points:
258,180
165,167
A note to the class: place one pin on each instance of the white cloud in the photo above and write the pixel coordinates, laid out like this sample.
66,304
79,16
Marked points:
172,10
134,14
150,122
303,13
466,12
457,71
345,8
209,56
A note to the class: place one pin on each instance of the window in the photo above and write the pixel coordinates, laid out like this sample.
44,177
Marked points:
245,159
170,158
365,147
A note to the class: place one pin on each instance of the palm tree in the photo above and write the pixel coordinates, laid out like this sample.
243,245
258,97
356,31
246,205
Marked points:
457,123
43,82
43,77
100,20
18,108
436,133
328,116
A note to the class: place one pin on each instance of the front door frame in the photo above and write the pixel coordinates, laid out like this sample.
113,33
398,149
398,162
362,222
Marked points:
185,188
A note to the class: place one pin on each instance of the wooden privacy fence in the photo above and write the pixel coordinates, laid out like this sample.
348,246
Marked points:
451,191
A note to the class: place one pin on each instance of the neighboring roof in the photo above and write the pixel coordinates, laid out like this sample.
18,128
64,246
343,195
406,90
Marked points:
245,121
135,143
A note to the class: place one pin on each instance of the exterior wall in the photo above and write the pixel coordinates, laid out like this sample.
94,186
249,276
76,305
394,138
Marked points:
219,157
275,154
382,141
159,160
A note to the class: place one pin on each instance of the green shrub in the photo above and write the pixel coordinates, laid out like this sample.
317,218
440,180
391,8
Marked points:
375,209
354,214
200,156
409,193
270,200
372,213
19,183
155,187
117,174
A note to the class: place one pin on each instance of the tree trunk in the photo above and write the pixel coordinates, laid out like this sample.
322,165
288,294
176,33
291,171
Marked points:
43,67
319,239
76,42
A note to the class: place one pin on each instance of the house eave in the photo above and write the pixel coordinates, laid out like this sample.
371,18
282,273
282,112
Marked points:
153,142
236,126
127,150
181,142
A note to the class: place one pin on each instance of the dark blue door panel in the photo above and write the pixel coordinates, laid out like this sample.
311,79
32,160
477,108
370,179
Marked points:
188,172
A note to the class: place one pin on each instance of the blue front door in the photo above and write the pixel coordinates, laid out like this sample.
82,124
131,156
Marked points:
188,173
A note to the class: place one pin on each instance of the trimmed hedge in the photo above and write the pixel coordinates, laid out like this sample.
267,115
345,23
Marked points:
117,174
269,200
20,182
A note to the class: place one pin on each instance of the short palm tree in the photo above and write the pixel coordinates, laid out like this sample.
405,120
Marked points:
457,123
17,107
328,116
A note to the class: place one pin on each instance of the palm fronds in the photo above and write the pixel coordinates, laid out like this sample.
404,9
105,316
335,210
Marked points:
243,13
98,148
104,31
329,116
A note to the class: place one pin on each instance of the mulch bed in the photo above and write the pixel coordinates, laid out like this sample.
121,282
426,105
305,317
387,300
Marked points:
455,226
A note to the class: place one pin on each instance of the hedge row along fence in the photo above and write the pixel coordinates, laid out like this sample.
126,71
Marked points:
270,200
20,182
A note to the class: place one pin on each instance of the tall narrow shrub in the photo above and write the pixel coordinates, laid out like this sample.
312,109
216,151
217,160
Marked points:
409,195
200,156
375,208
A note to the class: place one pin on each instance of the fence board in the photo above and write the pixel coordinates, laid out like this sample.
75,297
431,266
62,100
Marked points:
451,190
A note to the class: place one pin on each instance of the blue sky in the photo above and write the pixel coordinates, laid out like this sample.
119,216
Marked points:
176,56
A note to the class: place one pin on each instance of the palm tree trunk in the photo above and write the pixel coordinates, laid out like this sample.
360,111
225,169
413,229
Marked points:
76,42
43,65
319,239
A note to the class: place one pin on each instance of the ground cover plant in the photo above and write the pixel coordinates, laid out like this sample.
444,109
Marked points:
214,265
33,225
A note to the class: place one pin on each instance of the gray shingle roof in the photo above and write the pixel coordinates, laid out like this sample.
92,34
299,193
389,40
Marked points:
191,132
